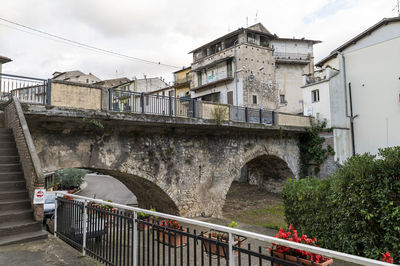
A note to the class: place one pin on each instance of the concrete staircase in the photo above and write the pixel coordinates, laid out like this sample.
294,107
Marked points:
16,215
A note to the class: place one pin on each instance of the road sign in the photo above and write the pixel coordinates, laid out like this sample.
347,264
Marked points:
39,196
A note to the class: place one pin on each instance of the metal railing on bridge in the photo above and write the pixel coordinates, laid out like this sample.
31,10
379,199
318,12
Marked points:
128,101
26,89
115,234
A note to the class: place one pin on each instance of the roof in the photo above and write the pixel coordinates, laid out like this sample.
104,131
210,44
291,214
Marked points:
4,59
183,69
259,28
299,40
113,82
354,40
68,74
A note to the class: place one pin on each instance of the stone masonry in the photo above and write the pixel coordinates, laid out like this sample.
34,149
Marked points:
179,168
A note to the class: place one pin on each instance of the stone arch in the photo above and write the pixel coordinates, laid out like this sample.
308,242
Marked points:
267,170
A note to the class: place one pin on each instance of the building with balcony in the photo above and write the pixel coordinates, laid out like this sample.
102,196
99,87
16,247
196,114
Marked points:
357,90
253,68
182,79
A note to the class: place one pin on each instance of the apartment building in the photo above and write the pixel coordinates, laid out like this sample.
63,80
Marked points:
182,79
253,68
357,90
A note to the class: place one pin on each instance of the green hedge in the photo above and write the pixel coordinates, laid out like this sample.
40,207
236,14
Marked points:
69,178
357,210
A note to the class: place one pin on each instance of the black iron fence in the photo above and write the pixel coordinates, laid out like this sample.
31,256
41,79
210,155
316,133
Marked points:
127,101
121,237
27,89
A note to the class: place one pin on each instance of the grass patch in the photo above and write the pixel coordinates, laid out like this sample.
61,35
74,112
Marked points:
273,216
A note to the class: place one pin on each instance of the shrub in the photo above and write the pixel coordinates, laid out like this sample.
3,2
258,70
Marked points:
357,210
69,178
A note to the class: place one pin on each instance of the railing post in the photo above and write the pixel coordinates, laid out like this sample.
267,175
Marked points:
84,221
47,95
171,112
110,97
55,215
231,256
246,114
135,245
193,109
261,116
273,117
142,100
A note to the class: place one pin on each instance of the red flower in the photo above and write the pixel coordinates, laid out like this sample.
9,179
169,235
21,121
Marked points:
387,257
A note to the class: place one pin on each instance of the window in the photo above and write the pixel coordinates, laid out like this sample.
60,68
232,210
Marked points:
87,80
315,96
251,38
254,99
282,98
163,93
230,97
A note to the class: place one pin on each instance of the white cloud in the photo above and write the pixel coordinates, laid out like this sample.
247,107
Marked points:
165,31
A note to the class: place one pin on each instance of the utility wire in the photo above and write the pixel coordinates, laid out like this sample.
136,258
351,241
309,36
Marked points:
82,45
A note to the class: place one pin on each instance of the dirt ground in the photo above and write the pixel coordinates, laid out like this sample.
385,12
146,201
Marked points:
248,204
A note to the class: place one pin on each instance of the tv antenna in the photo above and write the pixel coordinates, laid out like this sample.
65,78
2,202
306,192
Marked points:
255,19
397,6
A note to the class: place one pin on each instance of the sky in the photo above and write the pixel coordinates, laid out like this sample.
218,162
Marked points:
163,31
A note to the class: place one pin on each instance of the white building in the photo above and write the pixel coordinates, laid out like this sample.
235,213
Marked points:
360,80
76,76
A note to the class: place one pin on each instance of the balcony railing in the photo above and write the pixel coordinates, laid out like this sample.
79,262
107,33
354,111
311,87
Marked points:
26,89
292,56
127,101
115,234
184,80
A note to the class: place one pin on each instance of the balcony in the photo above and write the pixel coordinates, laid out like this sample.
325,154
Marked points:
213,80
282,57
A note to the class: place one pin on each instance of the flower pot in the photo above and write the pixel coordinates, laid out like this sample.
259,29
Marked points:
223,249
290,258
144,226
171,238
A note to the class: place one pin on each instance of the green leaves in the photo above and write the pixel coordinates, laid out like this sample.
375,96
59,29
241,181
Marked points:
356,210
69,178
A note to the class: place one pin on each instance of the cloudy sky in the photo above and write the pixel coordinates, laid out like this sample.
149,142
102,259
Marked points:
163,31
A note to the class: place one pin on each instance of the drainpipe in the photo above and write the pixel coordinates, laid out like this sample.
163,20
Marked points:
236,86
352,122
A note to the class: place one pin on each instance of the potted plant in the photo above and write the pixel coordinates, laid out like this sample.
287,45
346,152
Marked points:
170,233
295,255
145,218
217,245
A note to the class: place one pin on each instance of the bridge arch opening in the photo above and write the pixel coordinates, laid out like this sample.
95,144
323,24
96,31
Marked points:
148,194
254,195
268,172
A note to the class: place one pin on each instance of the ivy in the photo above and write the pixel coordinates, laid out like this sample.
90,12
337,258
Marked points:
313,152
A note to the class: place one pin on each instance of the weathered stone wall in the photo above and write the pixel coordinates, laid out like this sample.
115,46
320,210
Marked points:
293,120
77,95
14,118
184,170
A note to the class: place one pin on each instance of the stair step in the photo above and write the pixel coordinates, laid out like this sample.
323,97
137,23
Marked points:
11,176
15,215
16,194
8,151
8,144
6,137
12,185
5,130
11,167
25,237
4,159
19,227
7,205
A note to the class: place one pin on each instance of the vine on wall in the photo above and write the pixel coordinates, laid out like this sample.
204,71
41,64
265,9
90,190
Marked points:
313,152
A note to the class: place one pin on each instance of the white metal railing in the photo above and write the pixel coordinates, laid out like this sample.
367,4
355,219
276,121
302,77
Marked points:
231,231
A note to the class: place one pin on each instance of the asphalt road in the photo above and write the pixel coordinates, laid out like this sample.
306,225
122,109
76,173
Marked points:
107,188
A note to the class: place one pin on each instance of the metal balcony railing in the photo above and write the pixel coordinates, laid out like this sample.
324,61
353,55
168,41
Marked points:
127,101
117,234
292,56
26,89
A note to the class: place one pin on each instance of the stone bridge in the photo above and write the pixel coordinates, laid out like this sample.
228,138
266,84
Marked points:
177,165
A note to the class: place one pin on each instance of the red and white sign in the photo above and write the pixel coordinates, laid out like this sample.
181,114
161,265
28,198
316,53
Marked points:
39,196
